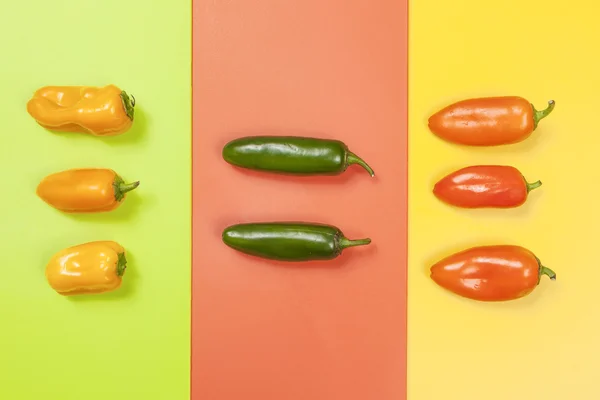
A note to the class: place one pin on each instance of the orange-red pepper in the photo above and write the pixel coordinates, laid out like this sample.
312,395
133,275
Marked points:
488,121
99,111
490,273
84,190
93,267
484,186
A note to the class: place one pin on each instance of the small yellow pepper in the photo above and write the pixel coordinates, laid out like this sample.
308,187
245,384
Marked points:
99,111
84,190
93,267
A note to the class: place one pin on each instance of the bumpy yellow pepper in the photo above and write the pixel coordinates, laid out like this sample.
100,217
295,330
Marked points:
93,267
99,111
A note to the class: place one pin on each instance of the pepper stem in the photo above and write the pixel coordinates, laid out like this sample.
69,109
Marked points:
120,187
352,158
533,185
547,271
121,264
128,104
544,271
345,242
538,115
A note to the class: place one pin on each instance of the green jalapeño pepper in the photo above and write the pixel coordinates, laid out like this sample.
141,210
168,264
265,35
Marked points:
292,155
289,241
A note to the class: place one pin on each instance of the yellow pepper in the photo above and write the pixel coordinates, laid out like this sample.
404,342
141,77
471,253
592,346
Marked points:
93,267
84,190
99,111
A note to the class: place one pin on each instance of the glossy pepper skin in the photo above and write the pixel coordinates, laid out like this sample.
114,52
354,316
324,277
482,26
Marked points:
99,111
94,267
484,186
490,273
292,155
84,190
488,121
289,241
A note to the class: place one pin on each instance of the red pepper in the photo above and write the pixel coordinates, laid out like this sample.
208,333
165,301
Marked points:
490,273
488,121
484,186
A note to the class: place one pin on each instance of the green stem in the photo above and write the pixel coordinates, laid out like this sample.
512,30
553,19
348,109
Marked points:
533,185
345,242
538,115
544,271
352,158
120,187
128,104
121,264
128,187
547,271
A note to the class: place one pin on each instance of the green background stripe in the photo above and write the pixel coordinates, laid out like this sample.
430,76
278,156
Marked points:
134,343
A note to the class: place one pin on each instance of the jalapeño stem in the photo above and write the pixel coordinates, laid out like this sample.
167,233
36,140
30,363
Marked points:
352,158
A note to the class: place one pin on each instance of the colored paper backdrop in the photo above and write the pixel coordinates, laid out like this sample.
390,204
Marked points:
262,330
331,68
134,343
544,346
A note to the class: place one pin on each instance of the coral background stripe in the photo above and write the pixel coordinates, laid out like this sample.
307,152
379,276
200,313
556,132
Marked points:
328,330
